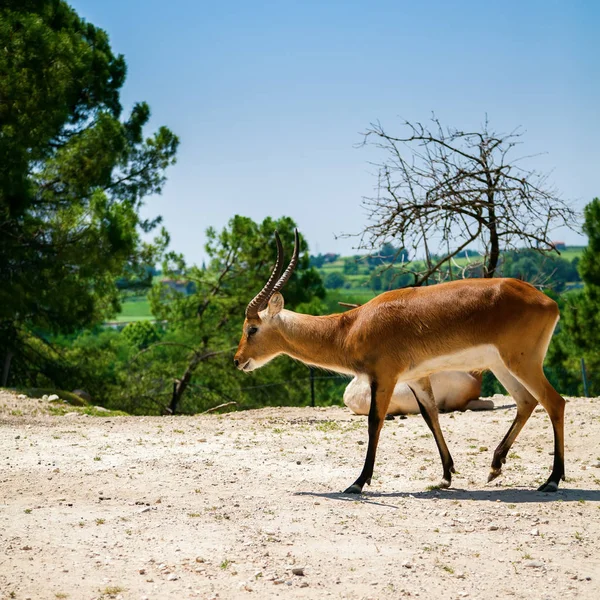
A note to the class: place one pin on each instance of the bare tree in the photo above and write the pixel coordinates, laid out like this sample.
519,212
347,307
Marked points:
443,190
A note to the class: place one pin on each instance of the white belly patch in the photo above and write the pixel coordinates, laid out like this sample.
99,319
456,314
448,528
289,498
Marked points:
470,359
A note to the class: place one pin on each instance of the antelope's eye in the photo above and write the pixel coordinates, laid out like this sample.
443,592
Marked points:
252,330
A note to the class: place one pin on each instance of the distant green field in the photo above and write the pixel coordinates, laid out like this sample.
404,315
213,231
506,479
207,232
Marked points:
355,295
572,252
136,308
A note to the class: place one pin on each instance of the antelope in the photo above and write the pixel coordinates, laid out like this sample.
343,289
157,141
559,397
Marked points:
503,325
452,390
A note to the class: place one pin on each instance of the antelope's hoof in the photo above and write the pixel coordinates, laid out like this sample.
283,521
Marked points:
493,474
549,487
353,489
444,484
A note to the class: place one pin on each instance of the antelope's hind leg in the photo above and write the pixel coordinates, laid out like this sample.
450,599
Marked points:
531,376
535,381
525,405
428,407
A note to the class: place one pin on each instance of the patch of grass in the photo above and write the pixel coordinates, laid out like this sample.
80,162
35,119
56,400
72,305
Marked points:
448,569
225,564
194,515
100,521
112,590
135,308
92,411
327,426
578,536
27,511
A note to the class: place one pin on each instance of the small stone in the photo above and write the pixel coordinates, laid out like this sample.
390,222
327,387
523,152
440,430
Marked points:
304,584
278,581
199,559
145,509
298,571
21,396
535,532
407,564
493,527
26,548
142,571
534,564
53,398
172,577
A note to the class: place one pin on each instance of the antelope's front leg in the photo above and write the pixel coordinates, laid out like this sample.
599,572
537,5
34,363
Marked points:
381,394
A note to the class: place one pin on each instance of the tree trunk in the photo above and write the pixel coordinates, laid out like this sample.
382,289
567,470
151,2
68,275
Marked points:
492,262
180,386
6,370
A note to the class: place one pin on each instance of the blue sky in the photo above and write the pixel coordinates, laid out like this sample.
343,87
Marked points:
269,98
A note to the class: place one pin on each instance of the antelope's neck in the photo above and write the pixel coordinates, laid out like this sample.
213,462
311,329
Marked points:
317,341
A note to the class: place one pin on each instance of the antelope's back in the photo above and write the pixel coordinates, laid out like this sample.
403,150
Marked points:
452,316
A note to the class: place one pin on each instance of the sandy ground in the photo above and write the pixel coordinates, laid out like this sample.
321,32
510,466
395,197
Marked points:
229,506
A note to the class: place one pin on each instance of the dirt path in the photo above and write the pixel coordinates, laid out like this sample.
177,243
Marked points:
227,507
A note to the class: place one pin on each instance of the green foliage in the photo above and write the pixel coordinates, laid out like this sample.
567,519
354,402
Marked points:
73,176
543,269
589,265
193,360
334,280
141,334
579,330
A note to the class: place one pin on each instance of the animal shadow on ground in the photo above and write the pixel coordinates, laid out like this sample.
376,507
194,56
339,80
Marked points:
509,495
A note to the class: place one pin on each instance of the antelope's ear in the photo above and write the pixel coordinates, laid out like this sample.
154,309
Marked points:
275,304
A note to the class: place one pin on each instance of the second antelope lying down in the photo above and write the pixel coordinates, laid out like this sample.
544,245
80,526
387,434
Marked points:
504,325
452,390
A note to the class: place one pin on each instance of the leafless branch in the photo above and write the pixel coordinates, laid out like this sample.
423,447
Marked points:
441,190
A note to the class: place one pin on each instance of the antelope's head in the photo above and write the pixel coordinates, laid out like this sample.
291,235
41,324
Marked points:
261,339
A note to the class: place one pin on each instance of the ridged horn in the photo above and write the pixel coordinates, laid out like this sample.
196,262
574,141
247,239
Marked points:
260,300
288,272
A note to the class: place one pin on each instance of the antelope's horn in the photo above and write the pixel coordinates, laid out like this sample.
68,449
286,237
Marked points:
288,272
260,300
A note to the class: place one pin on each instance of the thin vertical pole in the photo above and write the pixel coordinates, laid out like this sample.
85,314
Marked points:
585,380
312,385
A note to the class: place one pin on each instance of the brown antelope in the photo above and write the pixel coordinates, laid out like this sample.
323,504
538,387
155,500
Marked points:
452,390
504,325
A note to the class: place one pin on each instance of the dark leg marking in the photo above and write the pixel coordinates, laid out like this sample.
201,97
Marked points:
431,418
375,424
